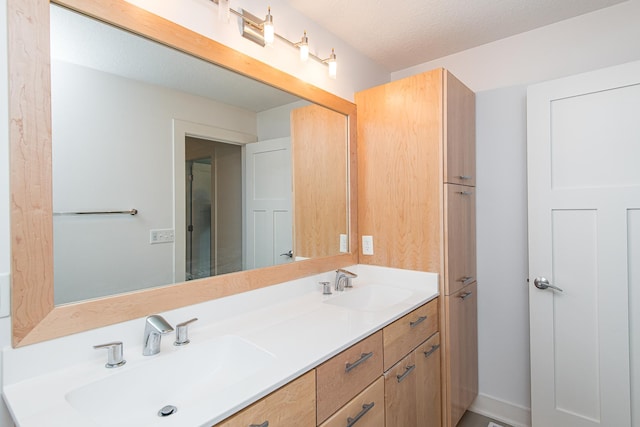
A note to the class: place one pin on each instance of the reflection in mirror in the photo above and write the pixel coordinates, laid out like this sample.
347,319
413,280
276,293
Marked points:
202,154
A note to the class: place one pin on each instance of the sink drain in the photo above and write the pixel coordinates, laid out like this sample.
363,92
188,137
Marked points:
167,410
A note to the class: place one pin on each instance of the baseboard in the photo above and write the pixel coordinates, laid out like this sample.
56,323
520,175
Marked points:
499,410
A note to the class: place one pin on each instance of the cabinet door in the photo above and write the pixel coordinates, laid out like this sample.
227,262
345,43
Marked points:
460,242
462,362
460,133
364,410
428,392
292,405
400,384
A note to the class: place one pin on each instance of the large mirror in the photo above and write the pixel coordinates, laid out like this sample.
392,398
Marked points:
198,170
170,168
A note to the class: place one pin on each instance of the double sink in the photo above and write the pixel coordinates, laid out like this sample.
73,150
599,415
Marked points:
229,363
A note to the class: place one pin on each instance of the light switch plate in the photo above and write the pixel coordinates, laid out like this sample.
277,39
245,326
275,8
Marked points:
161,236
344,247
367,245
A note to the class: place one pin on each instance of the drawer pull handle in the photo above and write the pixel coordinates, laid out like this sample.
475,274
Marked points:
465,193
362,359
418,321
264,424
433,349
464,177
407,371
465,295
465,280
365,408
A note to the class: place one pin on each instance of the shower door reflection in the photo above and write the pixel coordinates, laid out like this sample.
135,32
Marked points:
213,198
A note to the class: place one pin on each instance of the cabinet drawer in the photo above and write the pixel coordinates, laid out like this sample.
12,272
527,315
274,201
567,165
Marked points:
406,333
345,375
291,405
460,244
366,409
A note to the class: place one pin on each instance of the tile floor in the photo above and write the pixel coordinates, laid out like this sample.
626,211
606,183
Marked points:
471,419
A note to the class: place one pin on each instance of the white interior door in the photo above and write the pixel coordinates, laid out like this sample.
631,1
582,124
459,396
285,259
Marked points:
584,237
268,199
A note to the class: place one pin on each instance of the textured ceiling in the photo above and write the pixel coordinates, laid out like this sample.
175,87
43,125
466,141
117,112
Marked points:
400,34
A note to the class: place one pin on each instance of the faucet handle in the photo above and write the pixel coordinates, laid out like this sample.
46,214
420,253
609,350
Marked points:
114,354
182,332
326,288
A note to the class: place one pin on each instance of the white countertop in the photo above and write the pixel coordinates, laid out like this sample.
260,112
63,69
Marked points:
290,321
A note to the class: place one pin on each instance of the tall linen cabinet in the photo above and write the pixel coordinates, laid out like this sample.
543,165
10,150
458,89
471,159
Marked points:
416,198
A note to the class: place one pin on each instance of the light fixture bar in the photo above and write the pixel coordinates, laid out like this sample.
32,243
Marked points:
253,29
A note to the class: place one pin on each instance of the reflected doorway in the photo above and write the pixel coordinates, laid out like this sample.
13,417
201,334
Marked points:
213,193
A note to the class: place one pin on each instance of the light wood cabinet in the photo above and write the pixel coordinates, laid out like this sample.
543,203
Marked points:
459,132
291,405
429,395
461,310
416,197
400,387
405,334
319,216
364,410
345,375
412,387
460,242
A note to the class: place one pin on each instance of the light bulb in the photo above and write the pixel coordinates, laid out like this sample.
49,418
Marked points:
223,10
304,47
333,65
269,31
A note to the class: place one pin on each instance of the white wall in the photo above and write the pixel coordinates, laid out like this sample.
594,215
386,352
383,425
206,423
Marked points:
499,73
355,71
113,150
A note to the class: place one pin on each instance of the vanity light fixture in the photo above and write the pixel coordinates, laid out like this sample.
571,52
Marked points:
263,33
303,45
333,64
267,28
223,10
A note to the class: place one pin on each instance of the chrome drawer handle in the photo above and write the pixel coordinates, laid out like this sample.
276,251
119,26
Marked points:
465,295
417,322
365,408
407,371
464,177
466,279
264,424
465,193
362,359
433,349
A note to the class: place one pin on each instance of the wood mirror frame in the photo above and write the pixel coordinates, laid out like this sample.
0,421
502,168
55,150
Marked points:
35,318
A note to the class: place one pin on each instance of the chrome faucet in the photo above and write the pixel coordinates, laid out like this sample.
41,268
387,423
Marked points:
154,328
343,279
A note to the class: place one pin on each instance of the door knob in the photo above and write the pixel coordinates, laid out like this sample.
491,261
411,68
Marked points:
542,283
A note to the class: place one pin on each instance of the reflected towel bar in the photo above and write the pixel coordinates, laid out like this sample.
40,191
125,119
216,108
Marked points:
129,212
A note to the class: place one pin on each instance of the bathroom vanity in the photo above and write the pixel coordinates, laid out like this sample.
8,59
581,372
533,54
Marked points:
282,350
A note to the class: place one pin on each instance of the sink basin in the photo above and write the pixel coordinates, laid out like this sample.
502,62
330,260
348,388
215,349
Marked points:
133,395
370,297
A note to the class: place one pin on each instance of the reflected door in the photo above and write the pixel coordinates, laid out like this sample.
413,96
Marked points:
213,208
268,197
198,214
584,238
